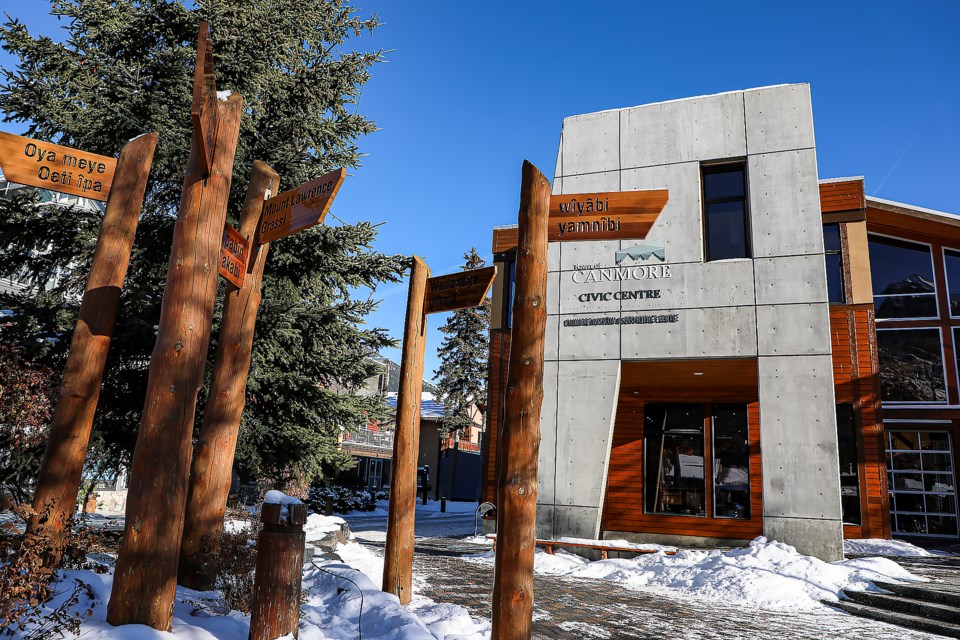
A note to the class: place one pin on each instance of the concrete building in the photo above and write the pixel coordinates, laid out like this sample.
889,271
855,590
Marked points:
689,389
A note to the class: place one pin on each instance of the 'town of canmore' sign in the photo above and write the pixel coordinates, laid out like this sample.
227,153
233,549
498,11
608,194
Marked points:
299,208
50,166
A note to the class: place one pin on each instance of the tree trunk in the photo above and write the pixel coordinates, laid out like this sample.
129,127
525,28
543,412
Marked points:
517,480
145,578
398,552
60,472
213,459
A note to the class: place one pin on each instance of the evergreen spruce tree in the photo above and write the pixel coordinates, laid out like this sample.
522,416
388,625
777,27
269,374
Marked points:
462,376
126,68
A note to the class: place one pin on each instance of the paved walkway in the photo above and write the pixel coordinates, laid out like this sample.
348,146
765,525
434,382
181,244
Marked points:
578,609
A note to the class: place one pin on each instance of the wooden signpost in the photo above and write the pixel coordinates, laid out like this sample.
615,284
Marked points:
203,112
213,456
233,254
520,434
299,208
145,577
427,295
50,166
60,472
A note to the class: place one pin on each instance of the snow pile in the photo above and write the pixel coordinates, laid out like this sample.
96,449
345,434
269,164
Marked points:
622,544
279,497
334,591
764,574
891,548
319,525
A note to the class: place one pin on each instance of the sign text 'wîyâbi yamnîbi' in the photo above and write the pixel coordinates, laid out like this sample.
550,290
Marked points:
604,216
461,290
299,208
51,166
234,251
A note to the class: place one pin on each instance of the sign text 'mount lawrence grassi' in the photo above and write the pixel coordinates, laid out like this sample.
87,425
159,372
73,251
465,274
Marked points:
299,208
461,290
233,256
604,216
50,166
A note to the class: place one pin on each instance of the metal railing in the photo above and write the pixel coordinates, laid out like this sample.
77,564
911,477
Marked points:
367,439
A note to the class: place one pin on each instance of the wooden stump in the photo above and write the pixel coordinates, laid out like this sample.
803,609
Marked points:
275,610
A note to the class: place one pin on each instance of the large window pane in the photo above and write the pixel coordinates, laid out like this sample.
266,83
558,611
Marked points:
673,446
849,467
727,236
731,462
951,261
835,291
902,270
911,365
724,212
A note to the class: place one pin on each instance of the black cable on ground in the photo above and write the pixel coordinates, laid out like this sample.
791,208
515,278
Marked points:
337,575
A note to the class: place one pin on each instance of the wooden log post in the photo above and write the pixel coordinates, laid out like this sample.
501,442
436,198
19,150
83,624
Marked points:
213,458
60,471
145,578
517,479
275,610
398,552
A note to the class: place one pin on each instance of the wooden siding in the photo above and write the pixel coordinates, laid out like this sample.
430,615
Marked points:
623,504
496,379
842,196
857,382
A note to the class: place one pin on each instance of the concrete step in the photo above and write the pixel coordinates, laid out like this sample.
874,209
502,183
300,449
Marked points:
897,618
903,604
925,592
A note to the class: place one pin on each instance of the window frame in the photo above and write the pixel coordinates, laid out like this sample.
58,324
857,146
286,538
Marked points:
839,252
946,278
933,272
722,166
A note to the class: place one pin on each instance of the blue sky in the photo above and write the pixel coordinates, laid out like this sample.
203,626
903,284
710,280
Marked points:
473,89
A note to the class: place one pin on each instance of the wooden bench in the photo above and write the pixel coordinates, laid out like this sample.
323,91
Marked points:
550,545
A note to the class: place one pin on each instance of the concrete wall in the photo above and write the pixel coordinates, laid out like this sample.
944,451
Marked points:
773,306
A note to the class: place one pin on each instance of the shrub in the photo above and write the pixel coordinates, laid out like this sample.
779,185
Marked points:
345,499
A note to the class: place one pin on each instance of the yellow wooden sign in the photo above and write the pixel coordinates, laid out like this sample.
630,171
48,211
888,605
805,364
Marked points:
50,166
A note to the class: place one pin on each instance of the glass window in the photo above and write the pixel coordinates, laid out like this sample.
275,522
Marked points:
511,287
951,262
902,274
911,365
923,497
725,212
731,462
849,467
833,255
673,444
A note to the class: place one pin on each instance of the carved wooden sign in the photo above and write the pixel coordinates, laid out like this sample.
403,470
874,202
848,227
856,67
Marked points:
57,168
299,208
233,255
461,290
204,109
604,216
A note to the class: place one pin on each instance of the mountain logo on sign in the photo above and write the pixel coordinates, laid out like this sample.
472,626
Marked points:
644,251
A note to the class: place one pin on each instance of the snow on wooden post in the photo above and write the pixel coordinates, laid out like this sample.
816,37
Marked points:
59,478
213,457
520,433
145,579
275,610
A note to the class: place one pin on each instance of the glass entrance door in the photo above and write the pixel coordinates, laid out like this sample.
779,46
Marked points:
923,500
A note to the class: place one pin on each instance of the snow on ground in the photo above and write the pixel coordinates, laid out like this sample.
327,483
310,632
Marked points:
335,593
318,526
890,548
765,574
